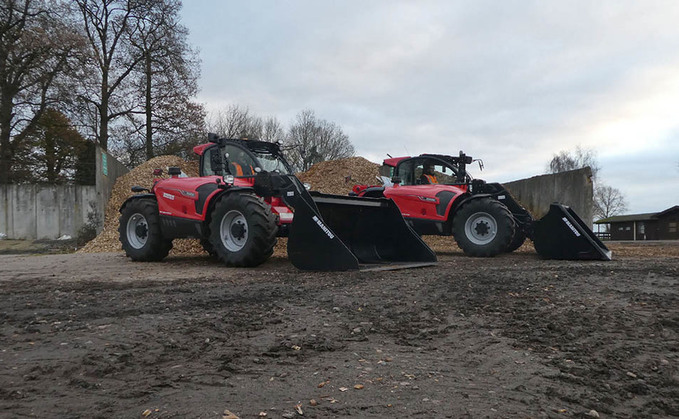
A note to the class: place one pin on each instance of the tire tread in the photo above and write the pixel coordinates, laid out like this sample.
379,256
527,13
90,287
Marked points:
156,247
503,218
262,230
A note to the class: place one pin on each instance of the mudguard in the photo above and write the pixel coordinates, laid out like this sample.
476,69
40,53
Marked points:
561,234
136,196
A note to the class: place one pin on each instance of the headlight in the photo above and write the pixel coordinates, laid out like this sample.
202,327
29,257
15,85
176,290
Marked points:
307,186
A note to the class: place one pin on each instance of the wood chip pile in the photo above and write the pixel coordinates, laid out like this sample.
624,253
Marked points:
339,176
141,175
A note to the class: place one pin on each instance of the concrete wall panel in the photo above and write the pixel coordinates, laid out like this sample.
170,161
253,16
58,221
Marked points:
87,198
44,212
4,209
573,188
47,211
23,214
70,218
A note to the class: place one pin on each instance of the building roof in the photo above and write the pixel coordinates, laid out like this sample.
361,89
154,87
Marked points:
668,210
627,218
650,216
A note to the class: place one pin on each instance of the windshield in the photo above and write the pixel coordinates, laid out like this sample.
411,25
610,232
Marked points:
272,163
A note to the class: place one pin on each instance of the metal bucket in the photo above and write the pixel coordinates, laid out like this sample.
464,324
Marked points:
561,234
339,233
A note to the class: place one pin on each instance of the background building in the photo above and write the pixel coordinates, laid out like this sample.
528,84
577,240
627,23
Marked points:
650,226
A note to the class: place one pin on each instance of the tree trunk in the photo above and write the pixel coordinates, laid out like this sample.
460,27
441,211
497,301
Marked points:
103,112
5,144
148,109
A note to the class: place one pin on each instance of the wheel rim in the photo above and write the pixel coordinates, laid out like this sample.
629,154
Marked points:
481,228
137,231
234,231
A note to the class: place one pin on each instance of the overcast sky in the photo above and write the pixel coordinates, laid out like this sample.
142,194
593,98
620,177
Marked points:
510,82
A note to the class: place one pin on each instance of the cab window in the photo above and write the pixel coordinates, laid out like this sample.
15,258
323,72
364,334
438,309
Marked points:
426,171
205,161
239,162
405,172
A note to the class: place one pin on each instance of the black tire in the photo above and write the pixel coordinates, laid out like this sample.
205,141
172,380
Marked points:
140,232
517,241
242,230
483,227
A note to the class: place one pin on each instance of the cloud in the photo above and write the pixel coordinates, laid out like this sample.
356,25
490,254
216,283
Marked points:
512,82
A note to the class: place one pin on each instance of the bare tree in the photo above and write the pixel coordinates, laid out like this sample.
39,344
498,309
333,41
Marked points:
235,122
108,26
608,201
311,140
37,52
568,160
167,77
272,130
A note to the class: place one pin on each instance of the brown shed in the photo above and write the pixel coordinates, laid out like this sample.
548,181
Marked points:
649,226
668,221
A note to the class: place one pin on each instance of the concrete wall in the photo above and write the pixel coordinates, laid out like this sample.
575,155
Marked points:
44,211
50,211
573,188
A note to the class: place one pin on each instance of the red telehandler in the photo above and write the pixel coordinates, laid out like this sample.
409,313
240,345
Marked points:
437,196
246,197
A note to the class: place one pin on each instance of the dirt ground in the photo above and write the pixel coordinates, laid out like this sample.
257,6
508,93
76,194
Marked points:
99,336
